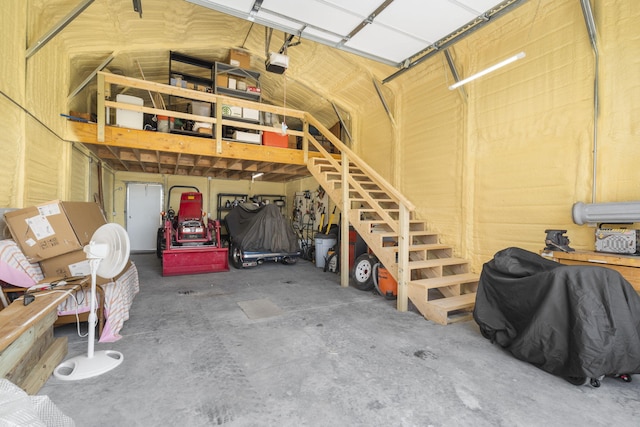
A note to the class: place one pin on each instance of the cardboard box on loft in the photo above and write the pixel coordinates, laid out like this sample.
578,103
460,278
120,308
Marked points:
222,80
239,58
274,139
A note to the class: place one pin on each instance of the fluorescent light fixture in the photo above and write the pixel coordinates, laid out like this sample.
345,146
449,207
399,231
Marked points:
256,175
488,70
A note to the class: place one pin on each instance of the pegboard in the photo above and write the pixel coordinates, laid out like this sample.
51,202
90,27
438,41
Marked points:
309,207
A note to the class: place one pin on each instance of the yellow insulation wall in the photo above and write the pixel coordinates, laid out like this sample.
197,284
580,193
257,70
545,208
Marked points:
503,164
12,94
79,180
619,126
376,141
45,165
38,159
12,145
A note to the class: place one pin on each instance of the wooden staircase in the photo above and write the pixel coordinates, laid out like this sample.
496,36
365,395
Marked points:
439,285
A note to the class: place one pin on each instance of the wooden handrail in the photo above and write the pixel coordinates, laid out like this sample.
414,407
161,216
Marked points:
377,178
195,95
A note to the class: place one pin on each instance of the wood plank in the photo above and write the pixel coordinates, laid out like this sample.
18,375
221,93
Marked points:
454,279
17,318
173,143
459,302
27,349
436,262
42,370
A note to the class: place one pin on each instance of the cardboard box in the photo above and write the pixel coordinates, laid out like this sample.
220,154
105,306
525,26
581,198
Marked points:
222,80
54,228
232,83
72,265
250,113
251,138
229,111
240,57
274,139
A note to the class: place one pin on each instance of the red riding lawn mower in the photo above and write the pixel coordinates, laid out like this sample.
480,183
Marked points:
189,242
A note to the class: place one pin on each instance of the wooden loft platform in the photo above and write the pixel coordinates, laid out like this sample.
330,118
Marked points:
173,154
133,150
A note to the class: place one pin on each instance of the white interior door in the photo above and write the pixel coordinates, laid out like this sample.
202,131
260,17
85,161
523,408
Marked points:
144,204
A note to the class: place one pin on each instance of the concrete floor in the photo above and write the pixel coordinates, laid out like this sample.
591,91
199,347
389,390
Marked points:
323,356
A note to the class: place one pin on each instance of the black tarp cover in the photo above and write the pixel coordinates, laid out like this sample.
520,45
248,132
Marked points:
571,321
261,229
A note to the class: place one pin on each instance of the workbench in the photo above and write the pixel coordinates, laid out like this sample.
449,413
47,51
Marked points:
627,265
28,350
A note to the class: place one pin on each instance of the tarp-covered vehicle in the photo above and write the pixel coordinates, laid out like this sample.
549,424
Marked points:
258,234
578,322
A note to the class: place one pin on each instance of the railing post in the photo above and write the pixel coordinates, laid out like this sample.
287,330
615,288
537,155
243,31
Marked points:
344,223
404,275
101,109
218,127
305,141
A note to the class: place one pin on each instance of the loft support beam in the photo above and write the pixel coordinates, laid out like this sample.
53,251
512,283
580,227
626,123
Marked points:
90,77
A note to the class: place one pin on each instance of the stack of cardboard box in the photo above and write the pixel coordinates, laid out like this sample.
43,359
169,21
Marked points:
54,235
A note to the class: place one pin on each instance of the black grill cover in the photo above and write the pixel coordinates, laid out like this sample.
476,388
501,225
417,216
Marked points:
261,229
571,321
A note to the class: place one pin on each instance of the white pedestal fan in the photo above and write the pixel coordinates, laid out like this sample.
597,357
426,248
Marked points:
108,253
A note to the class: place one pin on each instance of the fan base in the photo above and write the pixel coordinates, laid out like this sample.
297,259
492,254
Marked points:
81,367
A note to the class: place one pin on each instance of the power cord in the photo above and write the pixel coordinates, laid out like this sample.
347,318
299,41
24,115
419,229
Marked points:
37,291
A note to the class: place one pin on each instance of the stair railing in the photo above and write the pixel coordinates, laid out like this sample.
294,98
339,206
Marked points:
401,226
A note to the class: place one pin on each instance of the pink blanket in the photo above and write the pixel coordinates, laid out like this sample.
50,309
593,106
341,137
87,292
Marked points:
17,271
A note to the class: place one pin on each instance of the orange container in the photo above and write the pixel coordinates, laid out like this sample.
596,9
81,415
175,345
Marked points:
274,139
386,282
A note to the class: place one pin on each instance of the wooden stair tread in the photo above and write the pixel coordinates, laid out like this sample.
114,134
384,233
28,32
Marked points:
421,247
382,221
436,262
374,210
458,302
454,279
411,233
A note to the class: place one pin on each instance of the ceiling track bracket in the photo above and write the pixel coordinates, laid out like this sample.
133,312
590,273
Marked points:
57,28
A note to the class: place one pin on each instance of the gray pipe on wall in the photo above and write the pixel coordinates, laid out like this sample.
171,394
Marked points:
608,213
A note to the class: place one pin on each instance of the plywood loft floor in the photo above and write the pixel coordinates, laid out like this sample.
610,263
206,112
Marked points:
324,356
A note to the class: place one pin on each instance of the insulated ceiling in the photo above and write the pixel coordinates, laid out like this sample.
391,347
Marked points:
388,31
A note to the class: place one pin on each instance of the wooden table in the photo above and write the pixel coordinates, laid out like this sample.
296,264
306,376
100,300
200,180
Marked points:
627,265
28,350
